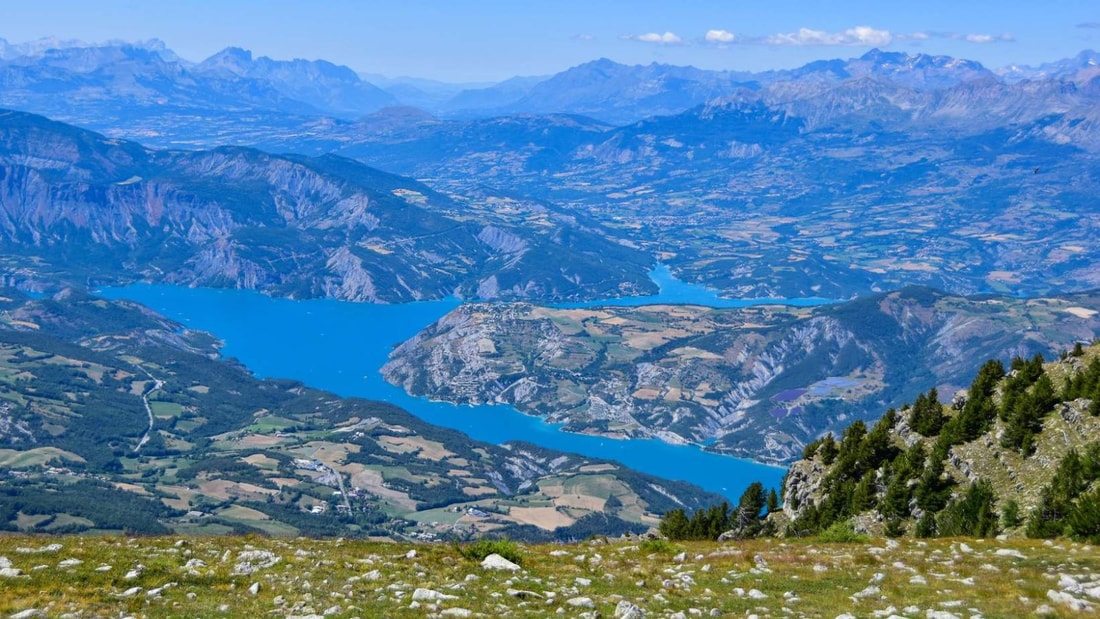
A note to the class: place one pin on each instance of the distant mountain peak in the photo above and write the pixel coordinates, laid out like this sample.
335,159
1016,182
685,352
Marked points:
45,45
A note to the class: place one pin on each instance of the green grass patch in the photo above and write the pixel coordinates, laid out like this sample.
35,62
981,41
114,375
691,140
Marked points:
477,551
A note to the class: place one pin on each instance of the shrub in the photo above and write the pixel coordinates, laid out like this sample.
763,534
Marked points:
842,533
478,550
659,546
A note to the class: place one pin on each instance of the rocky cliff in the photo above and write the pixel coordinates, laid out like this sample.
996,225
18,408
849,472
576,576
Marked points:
77,206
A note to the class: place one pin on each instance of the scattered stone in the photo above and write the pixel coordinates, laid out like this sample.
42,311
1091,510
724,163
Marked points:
431,595
1009,552
70,563
757,594
411,554
628,610
581,602
524,595
10,572
1061,597
456,612
940,614
30,613
129,593
870,590
254,589
49,548
497,562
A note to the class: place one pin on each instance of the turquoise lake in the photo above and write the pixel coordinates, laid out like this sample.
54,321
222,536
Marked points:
340,346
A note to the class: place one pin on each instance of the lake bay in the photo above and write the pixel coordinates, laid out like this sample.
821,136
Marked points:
339,346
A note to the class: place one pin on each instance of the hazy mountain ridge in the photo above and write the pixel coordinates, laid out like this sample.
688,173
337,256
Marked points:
77,205
757,383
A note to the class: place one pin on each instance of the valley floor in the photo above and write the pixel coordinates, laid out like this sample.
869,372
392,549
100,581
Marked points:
250,576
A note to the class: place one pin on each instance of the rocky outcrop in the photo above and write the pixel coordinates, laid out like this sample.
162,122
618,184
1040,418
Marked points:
758,383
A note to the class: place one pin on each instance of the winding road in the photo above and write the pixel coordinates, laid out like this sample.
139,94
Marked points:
157,384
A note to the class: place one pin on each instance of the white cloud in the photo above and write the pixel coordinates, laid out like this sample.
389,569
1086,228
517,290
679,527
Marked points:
584,37
667,38
719,36
860,35
985,38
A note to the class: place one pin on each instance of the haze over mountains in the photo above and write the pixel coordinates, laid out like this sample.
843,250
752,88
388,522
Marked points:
898,169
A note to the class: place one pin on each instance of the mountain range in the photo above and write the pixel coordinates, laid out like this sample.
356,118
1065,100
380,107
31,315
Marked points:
899,169
105,86
77,206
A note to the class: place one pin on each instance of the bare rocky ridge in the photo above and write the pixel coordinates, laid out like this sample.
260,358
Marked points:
1013,475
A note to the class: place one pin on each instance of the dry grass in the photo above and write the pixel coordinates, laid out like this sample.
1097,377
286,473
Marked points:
377,579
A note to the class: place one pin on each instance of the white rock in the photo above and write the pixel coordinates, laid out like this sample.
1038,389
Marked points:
1009,552
582,582
431,595
30,613
5,562
497,562
581,602
940,614
918,580
456,612
757,594
254,589
846,616
628,610
50,548
10,572
131,592
411,554
1061,597
70,563
867,592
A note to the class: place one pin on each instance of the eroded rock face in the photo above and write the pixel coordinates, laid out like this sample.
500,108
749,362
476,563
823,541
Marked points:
293,226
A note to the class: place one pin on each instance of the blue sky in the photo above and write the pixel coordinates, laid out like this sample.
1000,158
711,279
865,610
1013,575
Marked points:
460,40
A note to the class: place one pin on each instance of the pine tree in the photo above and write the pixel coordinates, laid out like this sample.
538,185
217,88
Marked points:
773,501
927,415
1083,521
